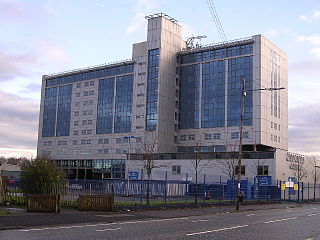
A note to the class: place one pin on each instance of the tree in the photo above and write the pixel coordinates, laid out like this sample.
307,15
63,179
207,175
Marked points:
198,164
149,148
228,166
42,176
315,171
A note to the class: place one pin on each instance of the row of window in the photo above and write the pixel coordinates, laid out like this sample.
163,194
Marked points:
275,126
100,140
84,112
209,136
107,72
261,170
85,93
85,84
84,122
275,138
84,103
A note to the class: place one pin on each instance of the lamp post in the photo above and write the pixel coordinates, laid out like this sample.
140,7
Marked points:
243,95
315,181
128,158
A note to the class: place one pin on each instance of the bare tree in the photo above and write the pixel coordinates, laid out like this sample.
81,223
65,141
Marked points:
298,170
228,165
198,164
149,148
315,171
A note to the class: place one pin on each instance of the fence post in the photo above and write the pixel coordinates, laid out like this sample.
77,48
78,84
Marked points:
220,188
166,186
141,186
205,187
308,193
302,192
186,187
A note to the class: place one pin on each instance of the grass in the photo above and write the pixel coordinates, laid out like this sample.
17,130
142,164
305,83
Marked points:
3,212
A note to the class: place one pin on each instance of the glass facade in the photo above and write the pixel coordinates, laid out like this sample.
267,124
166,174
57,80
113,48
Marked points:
64,110
49,112
103,73
213,87
152,90
189,96
237,68
123,104
213,95
105,106
115,168
275,83
115,108
216,54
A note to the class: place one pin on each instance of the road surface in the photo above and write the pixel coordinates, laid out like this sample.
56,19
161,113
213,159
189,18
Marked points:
288,223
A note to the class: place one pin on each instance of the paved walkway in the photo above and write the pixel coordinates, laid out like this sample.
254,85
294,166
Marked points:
17,217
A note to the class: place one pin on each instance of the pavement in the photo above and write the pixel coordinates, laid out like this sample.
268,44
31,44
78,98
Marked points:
16,217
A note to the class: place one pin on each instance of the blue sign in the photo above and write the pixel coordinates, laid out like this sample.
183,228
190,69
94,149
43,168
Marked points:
264,180
133,175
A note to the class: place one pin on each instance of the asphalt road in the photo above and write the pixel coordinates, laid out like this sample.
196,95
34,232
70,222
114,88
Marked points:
291,223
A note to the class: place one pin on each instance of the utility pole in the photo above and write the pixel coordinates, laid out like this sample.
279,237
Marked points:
243,95
315,181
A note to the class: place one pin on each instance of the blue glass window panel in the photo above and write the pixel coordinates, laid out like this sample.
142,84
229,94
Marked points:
64,110
108,72
49,112
105,106
152,90
213,94
237,68
216,54
189,96
123,106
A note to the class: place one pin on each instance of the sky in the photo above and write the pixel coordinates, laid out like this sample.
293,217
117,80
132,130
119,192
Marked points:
49,36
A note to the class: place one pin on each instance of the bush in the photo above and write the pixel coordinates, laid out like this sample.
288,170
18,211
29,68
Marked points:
42,176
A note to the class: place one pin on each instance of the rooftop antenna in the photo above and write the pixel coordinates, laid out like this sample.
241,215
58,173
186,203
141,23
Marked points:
190,41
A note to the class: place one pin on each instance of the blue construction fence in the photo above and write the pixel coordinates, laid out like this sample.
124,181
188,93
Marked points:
254,189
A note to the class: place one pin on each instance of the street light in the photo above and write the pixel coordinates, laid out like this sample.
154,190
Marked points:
243,94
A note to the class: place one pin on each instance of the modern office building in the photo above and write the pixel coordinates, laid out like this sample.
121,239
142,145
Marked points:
180,95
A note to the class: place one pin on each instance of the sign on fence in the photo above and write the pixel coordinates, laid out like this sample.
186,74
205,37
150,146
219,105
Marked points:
263,180
133,175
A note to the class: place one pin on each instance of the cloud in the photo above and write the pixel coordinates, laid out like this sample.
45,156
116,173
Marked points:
305,19
313,17
315,51
16,11
143,8
270,33
304,134
19,123
313,39
137,22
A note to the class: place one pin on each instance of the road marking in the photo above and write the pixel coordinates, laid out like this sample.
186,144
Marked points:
108,229
310,239
250,215
216,230
288,210
101,224
201,220
313,214
281,220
